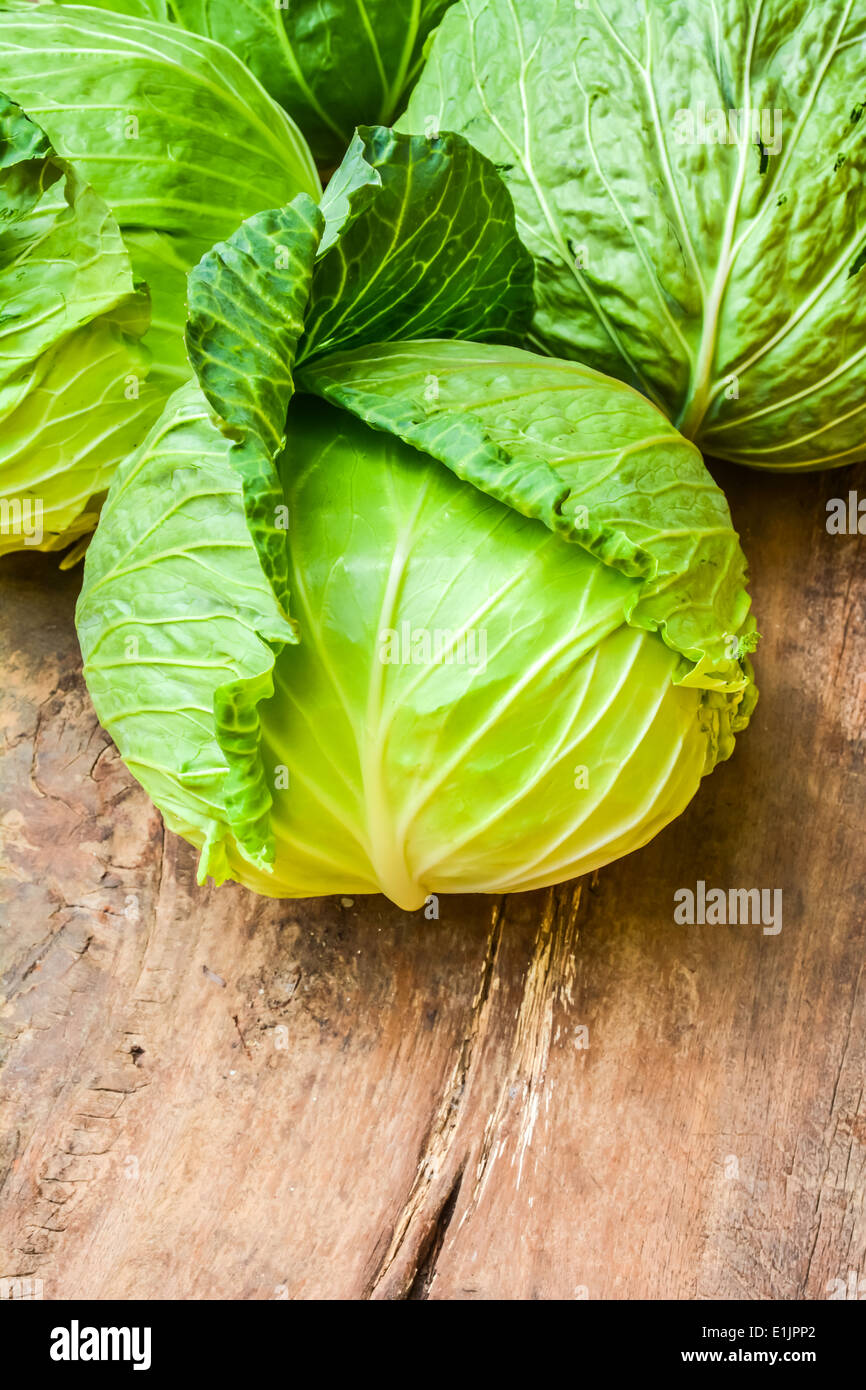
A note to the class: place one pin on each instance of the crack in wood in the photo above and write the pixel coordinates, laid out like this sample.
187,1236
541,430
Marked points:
548,980
425,1273
546,984
411,1231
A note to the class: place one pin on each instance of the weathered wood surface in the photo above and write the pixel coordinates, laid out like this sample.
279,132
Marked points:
559,1094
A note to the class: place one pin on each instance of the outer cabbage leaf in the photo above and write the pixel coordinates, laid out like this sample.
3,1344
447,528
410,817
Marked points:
419,240
186,145
202,557
247,302
688,175
333,64
536,433
73,399
178,627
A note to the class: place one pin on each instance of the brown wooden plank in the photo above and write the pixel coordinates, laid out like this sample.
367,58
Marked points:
558,1094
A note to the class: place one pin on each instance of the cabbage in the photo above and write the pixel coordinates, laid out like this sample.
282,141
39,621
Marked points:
688,175
385,602
70,343
333,64
185,145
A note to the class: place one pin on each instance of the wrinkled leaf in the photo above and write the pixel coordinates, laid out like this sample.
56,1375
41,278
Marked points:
689,179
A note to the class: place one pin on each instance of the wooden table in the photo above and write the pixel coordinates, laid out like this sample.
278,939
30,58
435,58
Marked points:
552,1095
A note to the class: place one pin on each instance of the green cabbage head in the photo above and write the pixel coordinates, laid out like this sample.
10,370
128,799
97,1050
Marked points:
333,64
127,148
689,178
375,607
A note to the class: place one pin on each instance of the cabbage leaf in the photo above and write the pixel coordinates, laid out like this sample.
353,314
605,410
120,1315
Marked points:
71,323
688,175
162,143
332,65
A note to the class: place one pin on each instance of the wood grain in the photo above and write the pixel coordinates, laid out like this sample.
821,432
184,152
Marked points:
549,1095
